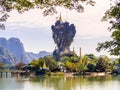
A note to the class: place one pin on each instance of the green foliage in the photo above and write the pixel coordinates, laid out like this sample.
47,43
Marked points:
117,61
91,56
36,64
91,67
113,46
48,6
64,59
1,65
71,63
85,60
73,59
103,64
48,60
113,14
77,67
81,68
89,63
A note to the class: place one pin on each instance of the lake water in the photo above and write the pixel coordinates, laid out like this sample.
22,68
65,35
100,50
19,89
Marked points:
60,83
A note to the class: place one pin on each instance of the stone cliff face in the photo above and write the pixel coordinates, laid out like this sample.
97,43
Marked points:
63,35
12,52
17,48
6,57
14,46
4,43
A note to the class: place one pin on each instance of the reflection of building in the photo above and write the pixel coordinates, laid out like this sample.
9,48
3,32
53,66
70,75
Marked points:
44,84
63,34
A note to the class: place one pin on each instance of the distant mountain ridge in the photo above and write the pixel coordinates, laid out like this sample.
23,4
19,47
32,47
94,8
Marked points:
31,55
14,48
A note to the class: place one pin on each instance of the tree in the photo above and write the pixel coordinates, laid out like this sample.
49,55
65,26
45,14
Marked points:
91,67
48,6
1,65
117,61
91,56
85,60
90,60
50,62
74,59
103,64
36,64
68,65
113,46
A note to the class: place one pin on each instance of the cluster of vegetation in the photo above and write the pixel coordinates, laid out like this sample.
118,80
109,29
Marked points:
2,65
74,63
49,62
88,63
113,16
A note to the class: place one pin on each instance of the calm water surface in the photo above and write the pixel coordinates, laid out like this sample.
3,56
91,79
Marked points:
60,83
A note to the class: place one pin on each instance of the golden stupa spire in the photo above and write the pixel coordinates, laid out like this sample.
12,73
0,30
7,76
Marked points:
44,65
60,18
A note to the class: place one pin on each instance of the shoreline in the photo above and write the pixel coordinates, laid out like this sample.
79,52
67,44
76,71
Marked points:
72,74
68,74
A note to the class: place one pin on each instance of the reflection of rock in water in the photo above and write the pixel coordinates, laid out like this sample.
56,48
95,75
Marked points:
63,34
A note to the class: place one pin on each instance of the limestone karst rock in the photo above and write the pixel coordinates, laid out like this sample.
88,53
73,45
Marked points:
63,34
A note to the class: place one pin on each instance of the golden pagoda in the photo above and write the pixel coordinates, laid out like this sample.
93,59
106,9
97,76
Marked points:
44,65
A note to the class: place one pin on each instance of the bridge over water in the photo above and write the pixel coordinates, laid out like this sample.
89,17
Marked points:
9,72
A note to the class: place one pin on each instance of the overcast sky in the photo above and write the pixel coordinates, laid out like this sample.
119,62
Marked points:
34,30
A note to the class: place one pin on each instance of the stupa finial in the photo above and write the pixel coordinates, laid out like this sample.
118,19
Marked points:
60,18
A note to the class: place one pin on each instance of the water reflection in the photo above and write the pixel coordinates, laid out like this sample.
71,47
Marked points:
78,83
60,83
